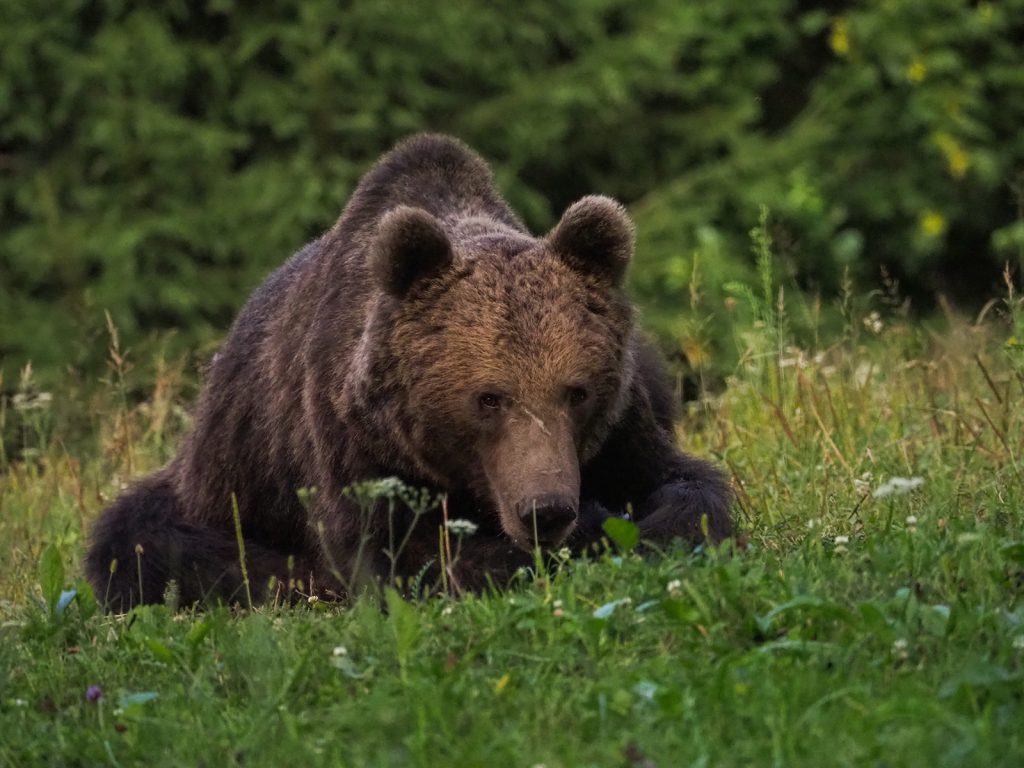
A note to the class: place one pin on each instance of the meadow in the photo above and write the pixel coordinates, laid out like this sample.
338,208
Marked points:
158,160
869,612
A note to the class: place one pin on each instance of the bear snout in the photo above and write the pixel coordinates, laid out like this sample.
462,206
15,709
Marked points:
548,519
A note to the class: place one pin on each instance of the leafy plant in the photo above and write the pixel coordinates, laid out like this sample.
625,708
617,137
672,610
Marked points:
158,162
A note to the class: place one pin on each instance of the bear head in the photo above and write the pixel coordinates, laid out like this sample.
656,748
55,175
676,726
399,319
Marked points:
500,361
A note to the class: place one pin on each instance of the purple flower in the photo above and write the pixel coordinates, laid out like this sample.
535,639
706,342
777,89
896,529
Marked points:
93,694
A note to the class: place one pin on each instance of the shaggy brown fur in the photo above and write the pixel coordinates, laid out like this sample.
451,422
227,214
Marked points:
427,336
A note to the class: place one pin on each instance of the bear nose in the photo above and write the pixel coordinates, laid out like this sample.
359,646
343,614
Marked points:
554,517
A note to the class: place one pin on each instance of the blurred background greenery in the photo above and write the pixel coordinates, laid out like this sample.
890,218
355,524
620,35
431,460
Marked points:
158,160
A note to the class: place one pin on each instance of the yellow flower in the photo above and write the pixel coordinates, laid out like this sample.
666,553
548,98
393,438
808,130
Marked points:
958,162
840,37
957,159
916,71
932,223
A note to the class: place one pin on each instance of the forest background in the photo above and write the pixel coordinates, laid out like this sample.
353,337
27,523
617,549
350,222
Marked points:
158,161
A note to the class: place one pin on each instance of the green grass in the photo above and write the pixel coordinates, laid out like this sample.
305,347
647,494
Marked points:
843,629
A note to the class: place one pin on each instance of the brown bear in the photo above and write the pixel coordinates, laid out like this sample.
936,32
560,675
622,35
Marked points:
430,337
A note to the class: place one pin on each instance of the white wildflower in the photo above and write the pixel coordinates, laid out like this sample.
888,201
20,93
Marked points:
312,599
897,486
674,587
873,322
31,402
863,373
796,358
386,487
899,648
448,610
841,540
339,650
462,527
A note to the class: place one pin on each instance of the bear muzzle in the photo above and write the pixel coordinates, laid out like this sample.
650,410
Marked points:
534,477
549,519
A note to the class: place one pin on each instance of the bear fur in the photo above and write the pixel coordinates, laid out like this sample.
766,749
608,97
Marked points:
428,336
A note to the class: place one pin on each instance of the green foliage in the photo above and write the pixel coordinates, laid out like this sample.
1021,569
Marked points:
871,608
623,534
888,141
156,162
51,577
57,619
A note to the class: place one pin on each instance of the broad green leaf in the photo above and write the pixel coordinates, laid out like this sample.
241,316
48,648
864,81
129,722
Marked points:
197,633
404,622
623,533
159,650
51,576
85,599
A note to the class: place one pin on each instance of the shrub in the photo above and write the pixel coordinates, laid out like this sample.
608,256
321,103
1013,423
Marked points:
157,161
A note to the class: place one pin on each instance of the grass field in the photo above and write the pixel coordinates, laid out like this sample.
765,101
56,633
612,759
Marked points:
861,619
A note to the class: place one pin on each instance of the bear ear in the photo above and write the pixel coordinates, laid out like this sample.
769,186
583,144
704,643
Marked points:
595,236
409,245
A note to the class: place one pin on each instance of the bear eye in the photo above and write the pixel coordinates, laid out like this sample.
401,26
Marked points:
489,401
577,395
